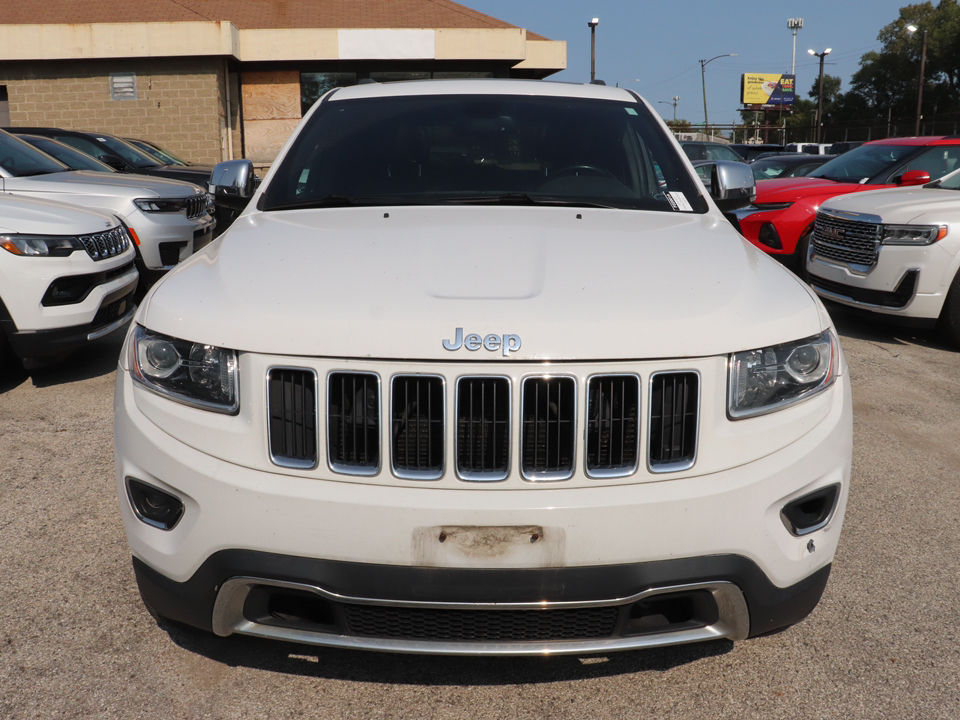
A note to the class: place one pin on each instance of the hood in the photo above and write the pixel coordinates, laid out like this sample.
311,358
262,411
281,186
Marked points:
395,283
902,205
39,217
88,182
792,189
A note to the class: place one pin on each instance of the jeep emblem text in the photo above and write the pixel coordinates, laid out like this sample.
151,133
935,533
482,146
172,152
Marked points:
473,342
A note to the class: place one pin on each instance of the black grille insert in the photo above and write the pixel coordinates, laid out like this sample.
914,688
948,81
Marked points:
416,419
674,405
483,428
548,442
353,423
613,419
292,417
480,625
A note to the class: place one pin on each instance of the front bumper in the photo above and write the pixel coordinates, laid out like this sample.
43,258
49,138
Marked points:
313,540
165,239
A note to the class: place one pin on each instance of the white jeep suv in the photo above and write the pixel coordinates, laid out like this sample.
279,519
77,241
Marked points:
67,276
482,369
168,219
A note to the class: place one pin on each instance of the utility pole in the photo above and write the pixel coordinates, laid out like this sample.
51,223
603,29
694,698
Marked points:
820,93
923,61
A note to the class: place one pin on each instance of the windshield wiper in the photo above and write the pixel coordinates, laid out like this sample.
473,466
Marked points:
324,202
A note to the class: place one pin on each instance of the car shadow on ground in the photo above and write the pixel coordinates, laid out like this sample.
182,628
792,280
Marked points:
95,359
859,325
401,669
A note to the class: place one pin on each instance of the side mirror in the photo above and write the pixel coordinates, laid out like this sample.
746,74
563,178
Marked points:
915,177
232,183
113,161
732,185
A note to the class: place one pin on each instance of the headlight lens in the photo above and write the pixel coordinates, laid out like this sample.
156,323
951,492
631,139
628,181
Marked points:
40,245
161,205
913,234
204,376
767,379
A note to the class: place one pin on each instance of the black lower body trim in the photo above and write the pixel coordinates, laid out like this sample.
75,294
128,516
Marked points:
896,299
192,602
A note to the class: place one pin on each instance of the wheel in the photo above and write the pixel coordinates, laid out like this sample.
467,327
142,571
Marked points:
949,322
577,169
800,254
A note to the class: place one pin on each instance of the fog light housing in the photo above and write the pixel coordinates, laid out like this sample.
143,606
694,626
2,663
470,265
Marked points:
769,236
811,512
154,507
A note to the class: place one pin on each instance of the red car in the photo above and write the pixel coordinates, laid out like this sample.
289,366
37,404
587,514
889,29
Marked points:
781,219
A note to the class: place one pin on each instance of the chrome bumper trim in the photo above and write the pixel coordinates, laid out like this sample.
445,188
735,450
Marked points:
733,623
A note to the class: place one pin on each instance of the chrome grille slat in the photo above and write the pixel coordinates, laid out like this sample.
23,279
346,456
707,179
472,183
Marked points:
292,417
353,423
613,419
100,246
674,421
548,428
483,428
853,242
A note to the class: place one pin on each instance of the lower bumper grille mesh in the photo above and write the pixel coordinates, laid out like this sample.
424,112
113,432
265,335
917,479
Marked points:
489,625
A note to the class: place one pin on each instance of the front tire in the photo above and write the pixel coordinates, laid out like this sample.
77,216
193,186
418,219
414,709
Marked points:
800,255
949,322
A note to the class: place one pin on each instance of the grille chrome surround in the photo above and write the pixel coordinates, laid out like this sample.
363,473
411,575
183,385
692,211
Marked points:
428,437
483,428
353,443
292,414
605,456
672,433
855,243
548,427
100,246
196,205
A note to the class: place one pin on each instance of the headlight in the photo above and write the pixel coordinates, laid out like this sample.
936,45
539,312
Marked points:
767,379
40,245
204,376
161,205
913,234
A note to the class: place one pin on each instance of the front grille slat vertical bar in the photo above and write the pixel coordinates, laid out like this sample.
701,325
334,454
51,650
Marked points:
483,428
353,423
292,417
417,417
613,425
674,421
548,428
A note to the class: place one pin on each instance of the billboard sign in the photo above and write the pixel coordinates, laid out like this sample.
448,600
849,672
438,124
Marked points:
767,90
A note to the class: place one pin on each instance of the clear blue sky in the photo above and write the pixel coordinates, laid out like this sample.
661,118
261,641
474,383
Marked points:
660,44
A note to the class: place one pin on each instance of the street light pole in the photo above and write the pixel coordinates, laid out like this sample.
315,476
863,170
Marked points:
923,61
676,99
703,80
593,48
794,24
820,93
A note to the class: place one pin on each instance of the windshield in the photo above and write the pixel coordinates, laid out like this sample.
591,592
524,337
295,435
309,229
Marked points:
862,163
70,157
157,154
19,159
461,149
128,152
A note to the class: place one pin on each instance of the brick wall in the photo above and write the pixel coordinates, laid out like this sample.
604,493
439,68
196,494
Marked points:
180,101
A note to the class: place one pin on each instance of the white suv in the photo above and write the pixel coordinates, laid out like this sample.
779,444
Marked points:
67,276
168,219
894,253
482,369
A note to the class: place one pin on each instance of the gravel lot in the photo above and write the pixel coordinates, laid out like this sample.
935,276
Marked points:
884,642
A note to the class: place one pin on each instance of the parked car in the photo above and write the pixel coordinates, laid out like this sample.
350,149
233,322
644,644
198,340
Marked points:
893,253
809,148
781,220
751,151
838,148
696,150
787,165
480,369
71,157
67,276
167,219
157,153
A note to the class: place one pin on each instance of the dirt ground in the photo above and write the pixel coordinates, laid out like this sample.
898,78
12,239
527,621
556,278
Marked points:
884,642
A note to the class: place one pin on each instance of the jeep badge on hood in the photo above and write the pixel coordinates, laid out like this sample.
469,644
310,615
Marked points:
473,342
